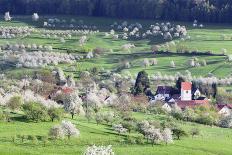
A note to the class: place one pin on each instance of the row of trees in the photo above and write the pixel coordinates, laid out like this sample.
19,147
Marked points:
187,10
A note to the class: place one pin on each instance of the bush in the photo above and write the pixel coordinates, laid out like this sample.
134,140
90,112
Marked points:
35,111
44,140
13,138
177,115
99,118
226,122
156,109
140,139
194,132
206,119
130,140
129,125
15,103
22,137
56,132
55,113
2,115
179,132
168,124
33,138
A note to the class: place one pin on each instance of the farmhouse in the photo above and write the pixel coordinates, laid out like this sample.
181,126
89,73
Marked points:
188,97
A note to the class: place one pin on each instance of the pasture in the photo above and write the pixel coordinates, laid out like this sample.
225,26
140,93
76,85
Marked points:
204,39
212,141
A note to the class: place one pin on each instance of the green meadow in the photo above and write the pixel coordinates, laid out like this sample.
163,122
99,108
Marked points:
211,141
208,38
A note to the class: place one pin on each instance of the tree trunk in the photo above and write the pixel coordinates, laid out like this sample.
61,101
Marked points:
72,116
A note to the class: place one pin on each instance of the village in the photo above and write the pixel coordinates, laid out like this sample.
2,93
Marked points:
110,77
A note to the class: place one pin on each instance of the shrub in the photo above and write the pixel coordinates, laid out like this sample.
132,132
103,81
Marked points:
156,109
226,122
177,115
34,139
56,132
194,132
109,117
99,118
55,113
130,140
189,114
129,125
205,119
179,132
13,138
35,111
23,137
2,115
44,140
15,103
140,139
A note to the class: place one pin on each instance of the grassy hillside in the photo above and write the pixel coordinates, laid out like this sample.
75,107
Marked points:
206,39
213,140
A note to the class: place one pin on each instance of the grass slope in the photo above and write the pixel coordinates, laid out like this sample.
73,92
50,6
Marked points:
213,141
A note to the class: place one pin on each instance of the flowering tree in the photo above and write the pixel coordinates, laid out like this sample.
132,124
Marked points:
70,81
69,129
35,17
153,61
154,135
143,126
73,104
82,40
99,150
119,128
93,100
167,136
146,63
56,132
15,102
7,16
172,64
191,62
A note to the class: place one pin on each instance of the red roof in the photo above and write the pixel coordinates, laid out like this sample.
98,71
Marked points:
220,106
67,90
186,85
191,104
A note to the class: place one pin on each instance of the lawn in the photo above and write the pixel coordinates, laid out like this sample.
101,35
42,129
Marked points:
213,140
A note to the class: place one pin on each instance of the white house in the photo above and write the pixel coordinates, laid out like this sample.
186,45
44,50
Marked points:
186,91
225,111
166,107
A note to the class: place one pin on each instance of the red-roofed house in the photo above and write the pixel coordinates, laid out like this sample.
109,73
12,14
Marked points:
192,103
67,90
60,90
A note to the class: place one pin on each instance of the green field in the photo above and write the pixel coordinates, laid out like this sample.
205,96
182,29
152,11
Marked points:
205,39
212,141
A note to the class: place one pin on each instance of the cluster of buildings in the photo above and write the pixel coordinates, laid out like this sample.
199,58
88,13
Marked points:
188,97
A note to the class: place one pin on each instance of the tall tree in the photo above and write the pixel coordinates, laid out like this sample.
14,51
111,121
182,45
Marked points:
142,83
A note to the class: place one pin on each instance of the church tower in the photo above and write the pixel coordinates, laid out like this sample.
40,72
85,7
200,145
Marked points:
186,91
